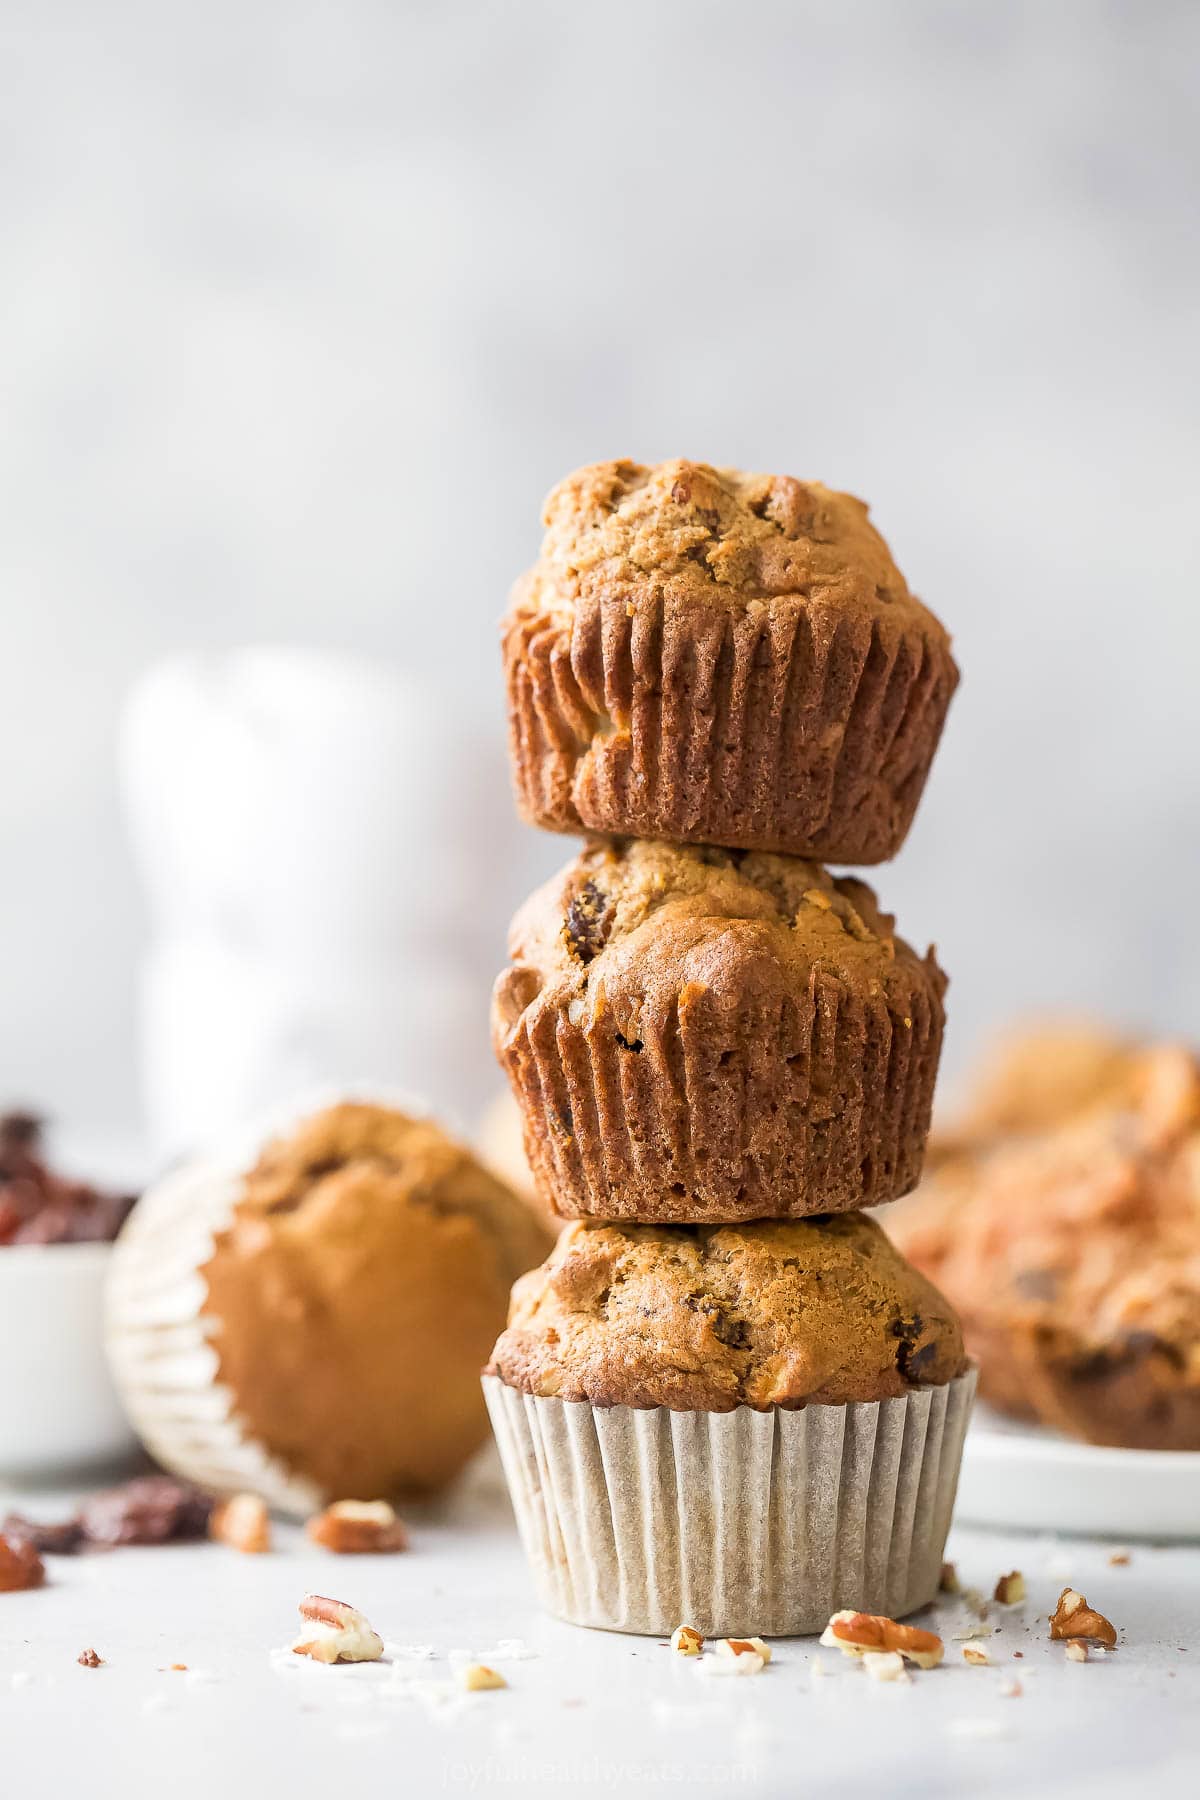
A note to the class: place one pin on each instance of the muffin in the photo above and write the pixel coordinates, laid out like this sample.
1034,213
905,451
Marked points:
712,657
699,1034
744,1427
1073,1255
311,1327
1039,1074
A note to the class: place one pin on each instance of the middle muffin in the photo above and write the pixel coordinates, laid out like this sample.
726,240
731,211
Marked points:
698,1034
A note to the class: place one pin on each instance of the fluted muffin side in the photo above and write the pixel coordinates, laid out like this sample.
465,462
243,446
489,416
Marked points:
706,1035
706,656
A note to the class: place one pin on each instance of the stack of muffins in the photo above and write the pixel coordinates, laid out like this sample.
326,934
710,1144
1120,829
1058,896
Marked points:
725,1399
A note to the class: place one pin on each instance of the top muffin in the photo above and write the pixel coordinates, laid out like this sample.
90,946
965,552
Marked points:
707,656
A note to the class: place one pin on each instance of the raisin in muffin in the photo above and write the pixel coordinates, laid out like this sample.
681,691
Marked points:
694,1317
313,1326
1073,1255
707,656
699,1034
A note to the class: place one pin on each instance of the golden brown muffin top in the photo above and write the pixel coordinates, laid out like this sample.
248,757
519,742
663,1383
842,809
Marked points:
713,534
630,913
314,1180
350,1297
1089,1230
798,1312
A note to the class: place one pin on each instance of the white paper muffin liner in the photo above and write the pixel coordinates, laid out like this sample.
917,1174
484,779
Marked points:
737,1523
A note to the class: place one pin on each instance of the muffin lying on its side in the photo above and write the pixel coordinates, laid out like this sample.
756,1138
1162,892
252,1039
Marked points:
1073,1255
712,657
701,1034
745,1427
312,1327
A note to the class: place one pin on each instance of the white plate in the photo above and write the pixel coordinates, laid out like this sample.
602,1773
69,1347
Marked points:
1020,1477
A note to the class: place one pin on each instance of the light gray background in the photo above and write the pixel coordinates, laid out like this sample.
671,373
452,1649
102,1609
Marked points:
305,306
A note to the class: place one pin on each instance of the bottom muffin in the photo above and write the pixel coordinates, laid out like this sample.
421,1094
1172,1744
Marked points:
742,1428
1073,1255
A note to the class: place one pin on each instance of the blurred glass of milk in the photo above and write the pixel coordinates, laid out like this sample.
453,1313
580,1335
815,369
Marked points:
318,837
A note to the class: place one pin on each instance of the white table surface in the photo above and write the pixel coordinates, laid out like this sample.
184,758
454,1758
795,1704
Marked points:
585,1711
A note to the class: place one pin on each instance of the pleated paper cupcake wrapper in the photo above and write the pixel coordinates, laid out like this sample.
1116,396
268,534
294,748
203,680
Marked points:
741,1523
785,726
157,1336
162,1361
833,1088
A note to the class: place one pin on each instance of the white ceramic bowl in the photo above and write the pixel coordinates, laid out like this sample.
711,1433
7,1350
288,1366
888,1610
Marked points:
58,1407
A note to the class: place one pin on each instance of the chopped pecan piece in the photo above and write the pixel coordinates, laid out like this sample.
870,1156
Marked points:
334,1632
243,1523
477,1678
753,1646
734,1662
357,1528
867,1634
1074,1618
